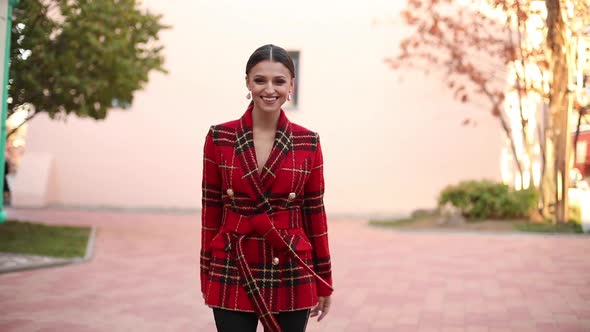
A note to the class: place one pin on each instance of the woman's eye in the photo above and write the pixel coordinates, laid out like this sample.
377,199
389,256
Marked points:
279,82
259,81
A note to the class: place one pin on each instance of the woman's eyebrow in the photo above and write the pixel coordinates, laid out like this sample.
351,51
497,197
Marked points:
262,76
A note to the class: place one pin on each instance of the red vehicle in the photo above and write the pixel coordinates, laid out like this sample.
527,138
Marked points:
582,153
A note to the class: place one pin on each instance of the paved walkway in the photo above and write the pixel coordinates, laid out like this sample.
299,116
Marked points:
144,277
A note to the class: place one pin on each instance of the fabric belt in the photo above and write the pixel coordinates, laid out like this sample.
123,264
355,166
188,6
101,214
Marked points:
266,225
241,224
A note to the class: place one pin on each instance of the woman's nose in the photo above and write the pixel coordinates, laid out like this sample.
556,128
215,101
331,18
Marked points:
269,87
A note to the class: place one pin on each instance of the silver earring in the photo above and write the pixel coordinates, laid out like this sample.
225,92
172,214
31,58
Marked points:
249,95
289,97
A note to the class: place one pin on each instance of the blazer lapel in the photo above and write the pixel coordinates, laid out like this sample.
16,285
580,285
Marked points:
244,148
283,144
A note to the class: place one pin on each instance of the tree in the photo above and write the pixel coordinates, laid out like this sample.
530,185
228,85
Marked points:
561,63
82,57
498,50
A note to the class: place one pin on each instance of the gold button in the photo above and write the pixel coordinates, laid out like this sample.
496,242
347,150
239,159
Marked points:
292,196
275,261
230,192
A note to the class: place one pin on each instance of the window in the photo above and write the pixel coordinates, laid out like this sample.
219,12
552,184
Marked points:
293,103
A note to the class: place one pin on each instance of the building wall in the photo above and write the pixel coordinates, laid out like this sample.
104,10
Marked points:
391,140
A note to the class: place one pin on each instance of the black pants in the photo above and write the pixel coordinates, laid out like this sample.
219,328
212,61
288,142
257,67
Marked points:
238,321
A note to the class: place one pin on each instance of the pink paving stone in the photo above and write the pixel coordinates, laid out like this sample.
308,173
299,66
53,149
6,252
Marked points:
504,329
386,298
430,317
452,329
581,311
572,327
426,324
382,323
470,328
499,323
410,319
355,327
518,313
144,274
401,327
64,326
585,322
453,322
147,311
546,327
423,328
15,324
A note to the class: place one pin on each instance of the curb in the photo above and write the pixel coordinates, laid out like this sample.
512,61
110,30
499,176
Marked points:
402,229
90,245
38,262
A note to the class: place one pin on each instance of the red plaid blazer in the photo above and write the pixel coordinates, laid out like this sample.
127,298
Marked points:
291,180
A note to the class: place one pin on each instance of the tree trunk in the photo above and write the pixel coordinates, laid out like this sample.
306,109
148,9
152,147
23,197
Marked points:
14,130
548,180
559,106
522,87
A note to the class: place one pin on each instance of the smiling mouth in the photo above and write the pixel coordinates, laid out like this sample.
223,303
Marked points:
270,99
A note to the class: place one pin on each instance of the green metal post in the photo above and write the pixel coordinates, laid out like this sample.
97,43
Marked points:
11,5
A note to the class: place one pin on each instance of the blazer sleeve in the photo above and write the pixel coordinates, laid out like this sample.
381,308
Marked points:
315,223
211,206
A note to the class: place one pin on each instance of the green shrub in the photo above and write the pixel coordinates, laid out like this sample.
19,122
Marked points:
487,199
575,214
521,203
422,213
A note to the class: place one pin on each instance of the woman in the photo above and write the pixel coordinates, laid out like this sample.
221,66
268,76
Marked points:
264,250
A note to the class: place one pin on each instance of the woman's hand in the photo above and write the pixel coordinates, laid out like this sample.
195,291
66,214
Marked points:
322,308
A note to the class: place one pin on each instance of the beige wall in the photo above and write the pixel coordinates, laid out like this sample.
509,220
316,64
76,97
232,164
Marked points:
390,144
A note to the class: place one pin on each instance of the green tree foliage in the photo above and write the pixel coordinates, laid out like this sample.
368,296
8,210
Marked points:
82,56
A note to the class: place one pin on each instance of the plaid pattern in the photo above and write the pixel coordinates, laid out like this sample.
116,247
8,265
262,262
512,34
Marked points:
294,166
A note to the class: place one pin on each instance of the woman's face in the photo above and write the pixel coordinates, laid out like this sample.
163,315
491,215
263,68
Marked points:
269,83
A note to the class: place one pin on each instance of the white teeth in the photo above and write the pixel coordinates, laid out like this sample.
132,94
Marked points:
269,99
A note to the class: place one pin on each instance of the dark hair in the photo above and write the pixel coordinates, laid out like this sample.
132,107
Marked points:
272,53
